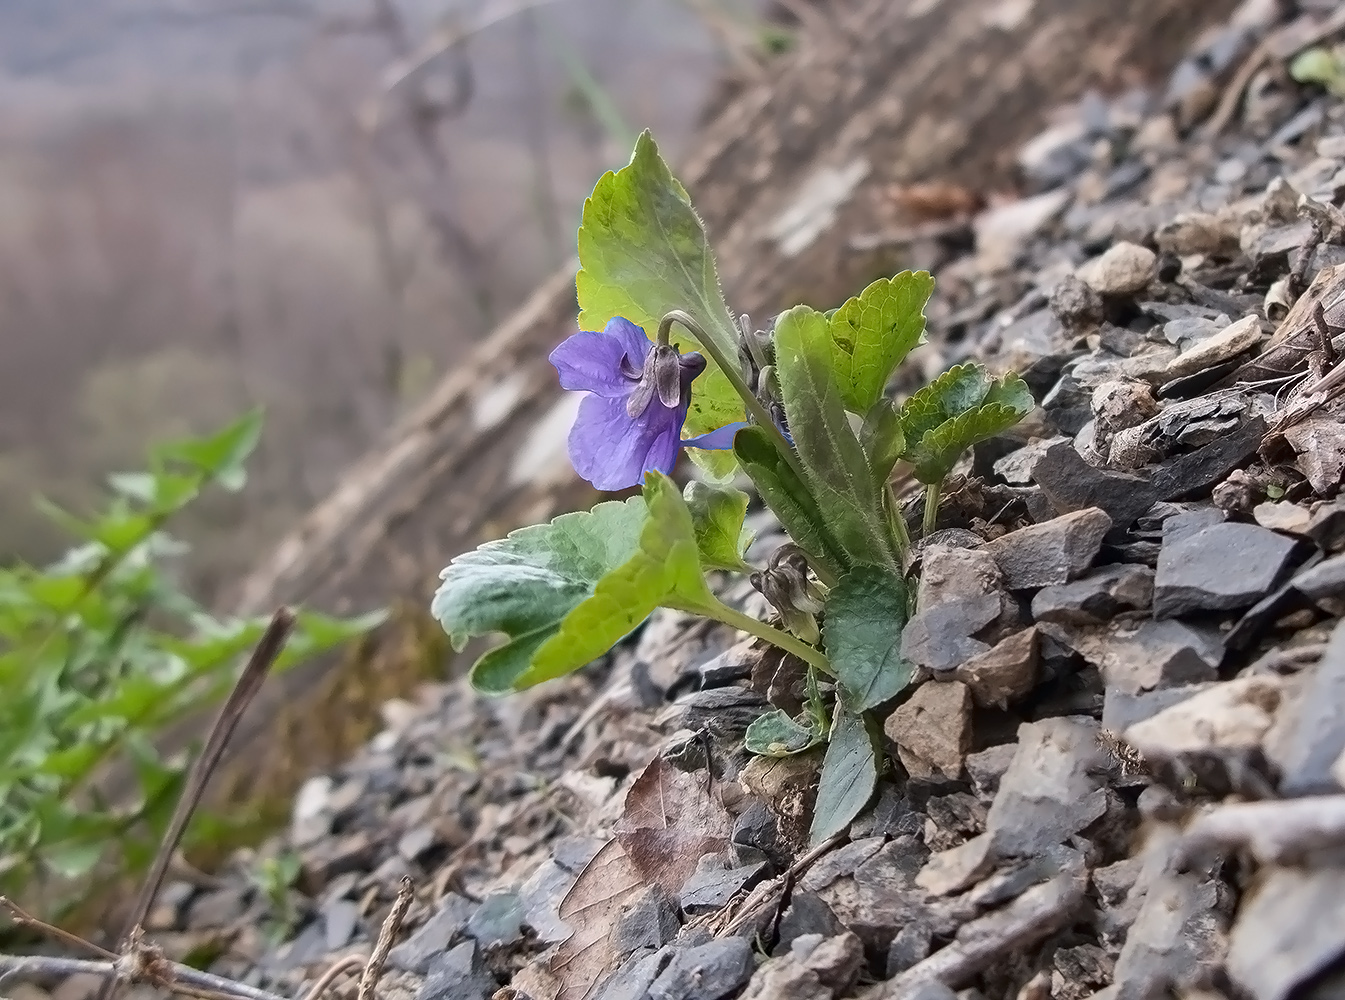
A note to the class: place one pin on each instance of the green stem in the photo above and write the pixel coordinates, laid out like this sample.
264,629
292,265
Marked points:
899,532
931,509
735,377
720,611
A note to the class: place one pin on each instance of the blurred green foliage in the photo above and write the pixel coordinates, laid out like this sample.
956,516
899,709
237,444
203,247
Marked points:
102,650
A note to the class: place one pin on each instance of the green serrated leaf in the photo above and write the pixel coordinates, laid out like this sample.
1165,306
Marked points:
962,406
866,612
642,253
789,498
775,734
872,333
882,438
839,475
849,775
664,571
526,583
220,455
717,514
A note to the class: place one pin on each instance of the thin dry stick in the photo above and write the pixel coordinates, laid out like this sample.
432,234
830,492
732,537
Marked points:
25,968
327,978
388,933
249,683
25,919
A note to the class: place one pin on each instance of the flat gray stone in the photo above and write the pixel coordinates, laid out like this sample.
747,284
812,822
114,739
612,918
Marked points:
1289,929
807,913
1097,597
1143,656
1122,709
712,885
1313,725
649,922
1048,792
432,937
498,920
632,979
1003,673
1177,938
1054,552
1219,567
1070,483
1324,584
458,975
706,972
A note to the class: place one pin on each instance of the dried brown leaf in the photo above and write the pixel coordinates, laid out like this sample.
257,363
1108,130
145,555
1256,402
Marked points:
672,819
607,884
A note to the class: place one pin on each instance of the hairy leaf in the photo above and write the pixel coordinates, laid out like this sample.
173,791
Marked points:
644,252
717,513
849,774
873,332
866,612
775,734
526,583
665,570
962,406
789,498
839,474
882,438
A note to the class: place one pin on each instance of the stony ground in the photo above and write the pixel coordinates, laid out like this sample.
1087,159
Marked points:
1121,772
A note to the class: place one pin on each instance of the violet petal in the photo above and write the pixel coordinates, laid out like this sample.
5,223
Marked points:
591,362
716,440
613,452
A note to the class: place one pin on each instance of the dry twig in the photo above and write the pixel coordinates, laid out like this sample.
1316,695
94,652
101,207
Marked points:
388,933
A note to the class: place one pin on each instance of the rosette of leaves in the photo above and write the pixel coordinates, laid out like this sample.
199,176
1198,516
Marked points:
562,594
961,407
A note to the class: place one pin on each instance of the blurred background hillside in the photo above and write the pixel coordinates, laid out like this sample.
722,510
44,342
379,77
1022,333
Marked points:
318,205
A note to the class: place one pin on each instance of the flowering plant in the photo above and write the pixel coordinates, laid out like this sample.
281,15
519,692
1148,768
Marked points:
800,409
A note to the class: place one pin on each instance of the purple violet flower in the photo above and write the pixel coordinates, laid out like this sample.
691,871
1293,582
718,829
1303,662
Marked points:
639,392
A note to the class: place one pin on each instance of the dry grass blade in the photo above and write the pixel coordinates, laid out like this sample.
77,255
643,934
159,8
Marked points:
249,683
386,935
347,964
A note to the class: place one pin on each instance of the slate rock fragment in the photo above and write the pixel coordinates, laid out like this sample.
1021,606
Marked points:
807,913
1217,568
1097,597
815,967
706,972
1324,584
1290,927
649,922
432,937
1312,731
1055,552
1049,791
932,729
713,884
960,593
457,975
498,920
1146,655
1071,484
632,979
1176,940
1003,673
986,768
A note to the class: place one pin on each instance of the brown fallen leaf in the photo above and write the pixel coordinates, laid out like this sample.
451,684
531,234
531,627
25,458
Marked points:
671,820
590,909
